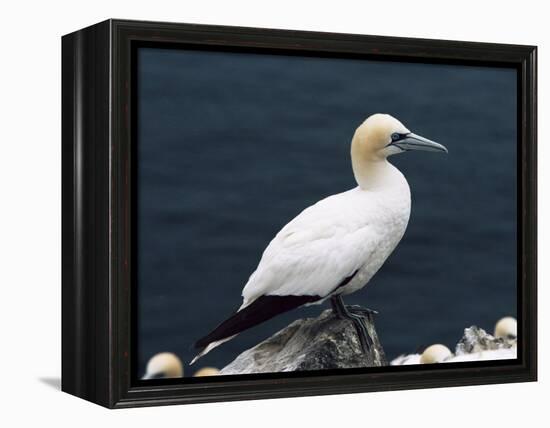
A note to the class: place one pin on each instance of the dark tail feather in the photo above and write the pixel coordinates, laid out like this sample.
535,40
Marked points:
262,309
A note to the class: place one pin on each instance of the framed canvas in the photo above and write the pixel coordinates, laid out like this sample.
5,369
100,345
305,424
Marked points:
252,213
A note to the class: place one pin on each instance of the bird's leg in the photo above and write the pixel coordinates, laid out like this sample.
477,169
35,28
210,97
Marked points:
358,320
338,306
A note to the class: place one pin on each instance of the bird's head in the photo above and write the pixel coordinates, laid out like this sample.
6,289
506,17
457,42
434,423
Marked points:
162,366
382,135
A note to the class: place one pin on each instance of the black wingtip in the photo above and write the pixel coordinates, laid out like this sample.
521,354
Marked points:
260,310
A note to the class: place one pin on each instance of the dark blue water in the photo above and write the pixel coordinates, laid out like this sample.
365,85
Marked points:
233,146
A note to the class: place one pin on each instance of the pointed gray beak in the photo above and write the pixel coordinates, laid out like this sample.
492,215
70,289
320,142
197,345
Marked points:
412,141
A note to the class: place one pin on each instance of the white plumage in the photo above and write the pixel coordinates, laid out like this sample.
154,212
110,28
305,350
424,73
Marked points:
344,233
336,245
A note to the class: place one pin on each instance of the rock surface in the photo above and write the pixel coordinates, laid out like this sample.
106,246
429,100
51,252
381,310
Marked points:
325,342
476,340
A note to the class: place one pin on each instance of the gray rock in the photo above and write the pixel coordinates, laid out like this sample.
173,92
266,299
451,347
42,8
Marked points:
476,340
325,342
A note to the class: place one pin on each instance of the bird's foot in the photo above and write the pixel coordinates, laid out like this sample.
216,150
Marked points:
360,310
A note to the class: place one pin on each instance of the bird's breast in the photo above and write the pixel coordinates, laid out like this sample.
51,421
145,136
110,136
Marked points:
387,214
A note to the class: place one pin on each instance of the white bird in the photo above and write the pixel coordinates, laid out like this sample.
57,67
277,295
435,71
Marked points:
207,371
335,246
506,327
435,354
165,365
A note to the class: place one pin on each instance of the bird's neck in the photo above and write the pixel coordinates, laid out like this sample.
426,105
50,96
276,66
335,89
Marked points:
374,174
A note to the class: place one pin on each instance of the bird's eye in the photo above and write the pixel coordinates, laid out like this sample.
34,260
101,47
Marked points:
395,136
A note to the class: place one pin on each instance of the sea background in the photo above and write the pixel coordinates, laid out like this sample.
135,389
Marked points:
232,146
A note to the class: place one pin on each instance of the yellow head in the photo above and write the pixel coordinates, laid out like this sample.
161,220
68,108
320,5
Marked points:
163,366
382,135
435,354
507,327
207,371
378,137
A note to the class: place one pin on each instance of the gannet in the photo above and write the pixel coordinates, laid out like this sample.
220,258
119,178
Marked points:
207,371
507,327
435,354
163,366
335,246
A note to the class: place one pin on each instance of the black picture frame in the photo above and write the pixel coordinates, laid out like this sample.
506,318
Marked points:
97,204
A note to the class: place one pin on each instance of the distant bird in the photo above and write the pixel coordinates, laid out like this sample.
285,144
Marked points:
435,354
207,371
432,354
335,246
507,327
163,366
